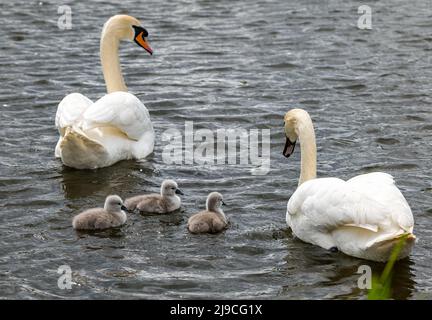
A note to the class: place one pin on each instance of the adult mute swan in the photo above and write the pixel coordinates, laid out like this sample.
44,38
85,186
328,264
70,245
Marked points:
363,217
117,126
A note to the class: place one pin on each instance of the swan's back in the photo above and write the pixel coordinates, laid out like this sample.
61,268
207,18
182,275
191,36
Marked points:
114,128
206,222
95,219
121,110
357,216
382,188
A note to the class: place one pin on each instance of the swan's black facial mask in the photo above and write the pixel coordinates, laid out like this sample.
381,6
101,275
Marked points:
289,147
140,38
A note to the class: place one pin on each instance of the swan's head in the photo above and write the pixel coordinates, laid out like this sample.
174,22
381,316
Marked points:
126,27
170,188
214,201
295,121
114,203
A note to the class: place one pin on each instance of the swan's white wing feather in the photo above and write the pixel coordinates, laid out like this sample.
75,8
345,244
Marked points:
329,203
70,110
121,110
370,202
382,188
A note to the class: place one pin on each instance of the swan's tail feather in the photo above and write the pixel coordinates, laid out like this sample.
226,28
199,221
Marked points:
386,246
409,237
78,150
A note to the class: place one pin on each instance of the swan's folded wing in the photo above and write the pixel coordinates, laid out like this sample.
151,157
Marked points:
331,203
121,110
70,110
382,188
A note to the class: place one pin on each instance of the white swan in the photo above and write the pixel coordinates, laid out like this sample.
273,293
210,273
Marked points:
363,217
117,126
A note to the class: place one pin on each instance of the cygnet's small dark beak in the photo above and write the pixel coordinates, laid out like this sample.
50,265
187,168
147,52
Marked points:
223,203
178,191
124,208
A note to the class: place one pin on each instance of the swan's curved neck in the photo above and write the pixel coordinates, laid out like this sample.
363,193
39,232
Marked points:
306,135
109,46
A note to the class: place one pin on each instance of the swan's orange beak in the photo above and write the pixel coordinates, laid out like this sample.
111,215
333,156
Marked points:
142,42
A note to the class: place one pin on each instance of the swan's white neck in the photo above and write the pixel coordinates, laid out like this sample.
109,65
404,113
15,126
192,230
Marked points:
110,62
306,136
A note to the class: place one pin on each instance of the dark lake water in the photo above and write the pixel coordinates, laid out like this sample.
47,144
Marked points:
221,64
